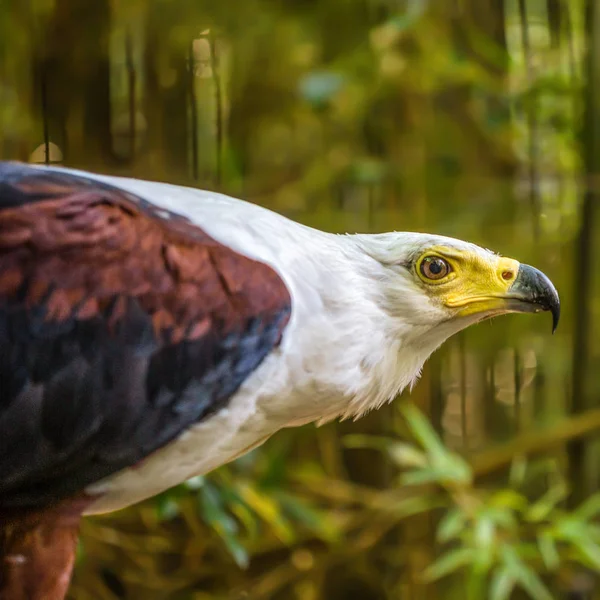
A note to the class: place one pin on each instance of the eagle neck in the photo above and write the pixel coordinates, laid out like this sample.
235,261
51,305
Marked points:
345,352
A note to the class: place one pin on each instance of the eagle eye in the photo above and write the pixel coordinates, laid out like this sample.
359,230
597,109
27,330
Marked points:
434,268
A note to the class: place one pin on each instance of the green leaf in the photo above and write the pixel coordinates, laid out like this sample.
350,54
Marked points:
449,467
236,549
484,533
451,524
533,585
524,575
476,584
424,432
213,512
317,521
455,470
546,504
590,552
509,499
569,528
502,584
167,508
588,509
548,551
593,531
417,505
265,506
542,469
211,508
502,517
247,518
406,455
275,465
244,513
420,477
448,563
194,483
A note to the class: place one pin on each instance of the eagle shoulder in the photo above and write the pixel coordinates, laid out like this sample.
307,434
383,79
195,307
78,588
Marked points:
121,325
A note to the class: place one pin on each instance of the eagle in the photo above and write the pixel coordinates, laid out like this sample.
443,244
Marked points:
150,333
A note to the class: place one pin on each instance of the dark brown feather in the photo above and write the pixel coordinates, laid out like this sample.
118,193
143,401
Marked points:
119,328
100,244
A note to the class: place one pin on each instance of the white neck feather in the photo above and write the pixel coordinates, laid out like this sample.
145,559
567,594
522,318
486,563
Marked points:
359,334
346,349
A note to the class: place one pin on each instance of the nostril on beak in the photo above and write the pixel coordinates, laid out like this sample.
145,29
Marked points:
508,275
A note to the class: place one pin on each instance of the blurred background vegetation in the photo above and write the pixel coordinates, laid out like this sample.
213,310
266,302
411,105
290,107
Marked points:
473,118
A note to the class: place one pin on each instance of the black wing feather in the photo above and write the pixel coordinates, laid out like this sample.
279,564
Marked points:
109,350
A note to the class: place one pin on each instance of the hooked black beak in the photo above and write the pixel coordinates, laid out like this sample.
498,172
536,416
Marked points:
535,293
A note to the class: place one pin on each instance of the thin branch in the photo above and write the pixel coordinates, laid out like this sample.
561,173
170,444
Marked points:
532,442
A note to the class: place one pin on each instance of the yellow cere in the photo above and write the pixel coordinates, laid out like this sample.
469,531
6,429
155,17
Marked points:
474,282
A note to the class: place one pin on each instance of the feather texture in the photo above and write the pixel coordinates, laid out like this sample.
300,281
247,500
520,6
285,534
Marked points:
119,329
359,331
151,332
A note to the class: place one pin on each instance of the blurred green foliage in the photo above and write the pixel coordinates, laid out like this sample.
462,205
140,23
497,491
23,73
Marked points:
497,538
472,118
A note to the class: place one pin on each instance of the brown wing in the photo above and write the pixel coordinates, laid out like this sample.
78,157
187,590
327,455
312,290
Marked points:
120,327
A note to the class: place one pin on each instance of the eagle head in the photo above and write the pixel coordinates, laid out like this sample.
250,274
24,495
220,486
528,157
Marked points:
434,281
430,287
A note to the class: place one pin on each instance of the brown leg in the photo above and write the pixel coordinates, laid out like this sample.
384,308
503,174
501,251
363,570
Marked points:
37,551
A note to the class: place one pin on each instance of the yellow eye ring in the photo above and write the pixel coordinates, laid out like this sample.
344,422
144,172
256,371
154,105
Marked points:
434,268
